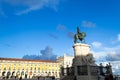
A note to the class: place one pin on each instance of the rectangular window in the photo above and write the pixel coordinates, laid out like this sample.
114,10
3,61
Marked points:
94,70
82,70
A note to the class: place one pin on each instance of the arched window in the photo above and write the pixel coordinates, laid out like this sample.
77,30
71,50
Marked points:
3,73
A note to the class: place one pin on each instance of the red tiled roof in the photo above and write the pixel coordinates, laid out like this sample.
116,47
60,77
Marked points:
17,59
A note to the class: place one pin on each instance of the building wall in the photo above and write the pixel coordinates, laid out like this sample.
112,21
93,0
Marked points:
29,68
65,61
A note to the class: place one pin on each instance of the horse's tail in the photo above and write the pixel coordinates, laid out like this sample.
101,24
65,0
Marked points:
75,38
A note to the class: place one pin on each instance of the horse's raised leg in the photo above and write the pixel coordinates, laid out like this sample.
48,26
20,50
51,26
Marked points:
75,38
75,41
83,41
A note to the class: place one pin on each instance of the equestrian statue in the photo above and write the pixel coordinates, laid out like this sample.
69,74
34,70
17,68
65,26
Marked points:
79,35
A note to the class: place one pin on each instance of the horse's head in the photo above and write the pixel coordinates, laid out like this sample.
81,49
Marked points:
83,34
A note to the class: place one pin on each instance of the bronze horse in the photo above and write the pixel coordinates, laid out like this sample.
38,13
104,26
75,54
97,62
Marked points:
79,36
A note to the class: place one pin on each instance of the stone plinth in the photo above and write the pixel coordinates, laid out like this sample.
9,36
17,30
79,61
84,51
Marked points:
82,55
81,49
83,63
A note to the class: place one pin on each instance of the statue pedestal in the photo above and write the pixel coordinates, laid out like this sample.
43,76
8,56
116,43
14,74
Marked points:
81,49
83,67
82,55
83,63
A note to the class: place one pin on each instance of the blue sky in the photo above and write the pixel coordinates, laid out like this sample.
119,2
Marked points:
29,26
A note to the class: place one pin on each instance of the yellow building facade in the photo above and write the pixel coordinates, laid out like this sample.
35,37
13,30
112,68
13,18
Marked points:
10,67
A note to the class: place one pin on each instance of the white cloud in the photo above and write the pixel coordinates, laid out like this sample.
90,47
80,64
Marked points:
53,36
70,35
96,44
61,27
118,37
107,53
88,24
102,52
99,55
2,14
31,5
116,40
27,10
